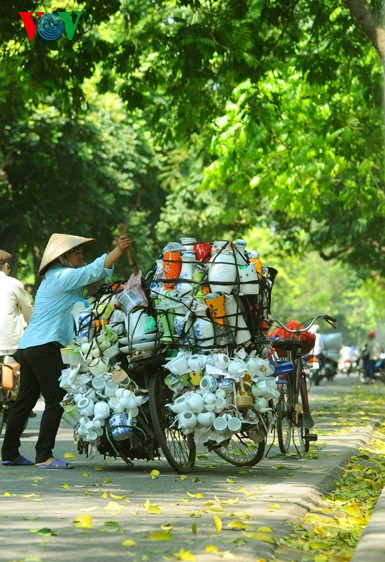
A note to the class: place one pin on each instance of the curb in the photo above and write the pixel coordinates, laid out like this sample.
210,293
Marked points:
371,546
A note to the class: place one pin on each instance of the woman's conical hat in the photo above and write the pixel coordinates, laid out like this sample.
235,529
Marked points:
59,244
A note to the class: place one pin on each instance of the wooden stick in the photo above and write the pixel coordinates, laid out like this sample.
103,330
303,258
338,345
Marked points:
130,255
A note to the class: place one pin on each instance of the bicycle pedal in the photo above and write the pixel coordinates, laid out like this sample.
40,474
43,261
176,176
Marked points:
311,437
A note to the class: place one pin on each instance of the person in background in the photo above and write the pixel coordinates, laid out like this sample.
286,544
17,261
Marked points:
15,309
319,345
51,327
370,353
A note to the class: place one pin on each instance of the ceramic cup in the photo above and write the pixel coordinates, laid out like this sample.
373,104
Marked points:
261,404
208,383
110,388
220,405
226,384
220,424
97,367
234,424
209,400
91,394
86,407
98,383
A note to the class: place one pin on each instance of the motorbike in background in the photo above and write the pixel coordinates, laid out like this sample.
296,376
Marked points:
379,371
318,368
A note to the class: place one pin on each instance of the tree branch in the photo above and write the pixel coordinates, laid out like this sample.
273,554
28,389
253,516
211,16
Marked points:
369,23
335,254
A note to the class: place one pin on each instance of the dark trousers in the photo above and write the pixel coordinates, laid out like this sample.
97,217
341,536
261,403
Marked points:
369,367
40,369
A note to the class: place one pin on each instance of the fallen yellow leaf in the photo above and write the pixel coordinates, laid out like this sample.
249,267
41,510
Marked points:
198,495
265,537
211,548
185,555
69,456
218,523
83,522
159,536
129,542
154,509
237,524
113,507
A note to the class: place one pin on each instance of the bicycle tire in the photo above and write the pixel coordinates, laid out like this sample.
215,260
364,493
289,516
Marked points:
179,449
284,422
301,403
241,450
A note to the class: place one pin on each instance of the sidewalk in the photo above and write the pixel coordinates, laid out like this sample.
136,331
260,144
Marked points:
275,493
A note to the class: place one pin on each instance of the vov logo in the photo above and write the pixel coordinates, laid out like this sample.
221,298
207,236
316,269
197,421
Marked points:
50,26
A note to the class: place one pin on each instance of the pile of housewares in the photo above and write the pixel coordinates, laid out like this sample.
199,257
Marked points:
204,312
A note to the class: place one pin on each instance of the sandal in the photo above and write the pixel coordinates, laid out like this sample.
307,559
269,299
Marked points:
18,461
56,463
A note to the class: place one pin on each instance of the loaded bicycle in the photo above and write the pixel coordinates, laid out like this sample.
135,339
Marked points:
293,416
159,405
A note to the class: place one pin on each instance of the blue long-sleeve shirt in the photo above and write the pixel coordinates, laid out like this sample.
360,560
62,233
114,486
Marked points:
61,287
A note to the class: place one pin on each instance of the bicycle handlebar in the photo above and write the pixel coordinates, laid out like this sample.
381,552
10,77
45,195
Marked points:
329,319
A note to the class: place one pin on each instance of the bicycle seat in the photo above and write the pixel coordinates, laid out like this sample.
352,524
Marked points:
287,344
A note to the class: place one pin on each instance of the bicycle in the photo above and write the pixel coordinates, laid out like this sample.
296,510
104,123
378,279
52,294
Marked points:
292,410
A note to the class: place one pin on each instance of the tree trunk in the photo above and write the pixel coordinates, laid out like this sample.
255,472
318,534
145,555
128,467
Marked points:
369,23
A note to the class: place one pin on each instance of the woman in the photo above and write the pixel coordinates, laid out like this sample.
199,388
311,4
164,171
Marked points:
51,327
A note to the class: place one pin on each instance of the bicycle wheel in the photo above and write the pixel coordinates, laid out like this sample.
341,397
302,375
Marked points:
241,449
301,406
284,416
179,449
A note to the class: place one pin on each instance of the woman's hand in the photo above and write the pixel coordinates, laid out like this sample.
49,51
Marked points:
123,242
121,248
